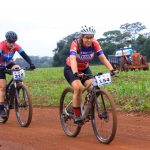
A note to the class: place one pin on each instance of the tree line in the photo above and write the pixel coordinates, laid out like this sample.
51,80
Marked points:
129,34
40,62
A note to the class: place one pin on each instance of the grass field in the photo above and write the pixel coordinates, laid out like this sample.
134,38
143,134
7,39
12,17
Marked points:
131,90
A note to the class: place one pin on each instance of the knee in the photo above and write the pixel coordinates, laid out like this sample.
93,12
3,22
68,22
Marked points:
78,89
2,88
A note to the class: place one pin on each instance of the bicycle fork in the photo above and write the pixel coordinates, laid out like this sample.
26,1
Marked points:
102,113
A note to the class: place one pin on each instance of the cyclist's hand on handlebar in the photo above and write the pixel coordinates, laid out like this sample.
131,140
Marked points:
2,68
15,67
113,72
80,75
32,66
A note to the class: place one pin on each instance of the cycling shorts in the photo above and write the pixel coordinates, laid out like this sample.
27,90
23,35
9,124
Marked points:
70,76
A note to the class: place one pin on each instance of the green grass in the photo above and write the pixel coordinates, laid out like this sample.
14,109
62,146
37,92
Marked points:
131,90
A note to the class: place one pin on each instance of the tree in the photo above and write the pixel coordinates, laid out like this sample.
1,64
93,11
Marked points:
133,29
116,37
40,62
144,45
62,50
112,40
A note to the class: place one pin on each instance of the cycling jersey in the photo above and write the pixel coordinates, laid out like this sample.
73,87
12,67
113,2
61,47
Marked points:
85,54
6,55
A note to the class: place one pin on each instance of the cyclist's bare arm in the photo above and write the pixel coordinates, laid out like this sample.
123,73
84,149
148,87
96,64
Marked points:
104,60
73,63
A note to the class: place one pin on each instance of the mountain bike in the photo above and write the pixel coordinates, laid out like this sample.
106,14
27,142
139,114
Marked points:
18,97
98,106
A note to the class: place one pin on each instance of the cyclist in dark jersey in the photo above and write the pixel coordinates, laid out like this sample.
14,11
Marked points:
8,48
77,64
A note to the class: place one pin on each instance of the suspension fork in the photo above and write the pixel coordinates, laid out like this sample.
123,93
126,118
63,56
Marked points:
16,90
97,105
16,85
95,100
102,98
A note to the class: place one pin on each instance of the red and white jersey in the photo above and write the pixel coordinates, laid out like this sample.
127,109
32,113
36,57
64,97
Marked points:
6,55
85,54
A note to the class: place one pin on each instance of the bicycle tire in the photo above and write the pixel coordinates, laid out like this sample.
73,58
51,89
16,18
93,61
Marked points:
4,120
7,103
70,128
103,134
23,104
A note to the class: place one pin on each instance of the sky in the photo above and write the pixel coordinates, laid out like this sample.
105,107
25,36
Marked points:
40,24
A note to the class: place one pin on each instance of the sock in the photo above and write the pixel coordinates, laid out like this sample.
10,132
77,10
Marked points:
77,111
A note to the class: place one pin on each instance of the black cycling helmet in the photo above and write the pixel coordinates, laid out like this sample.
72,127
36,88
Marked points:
11,36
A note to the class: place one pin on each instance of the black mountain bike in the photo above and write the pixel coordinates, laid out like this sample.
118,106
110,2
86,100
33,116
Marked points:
98,106
18,97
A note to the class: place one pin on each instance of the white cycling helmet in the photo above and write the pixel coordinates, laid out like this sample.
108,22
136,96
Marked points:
87,30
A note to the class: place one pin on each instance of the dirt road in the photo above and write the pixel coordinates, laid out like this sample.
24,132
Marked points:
45,133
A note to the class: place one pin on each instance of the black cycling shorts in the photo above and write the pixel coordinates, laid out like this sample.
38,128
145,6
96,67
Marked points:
70,76
2,74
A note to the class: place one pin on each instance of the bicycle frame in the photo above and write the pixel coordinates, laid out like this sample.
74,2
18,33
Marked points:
11,92
18,97
97,107
91,91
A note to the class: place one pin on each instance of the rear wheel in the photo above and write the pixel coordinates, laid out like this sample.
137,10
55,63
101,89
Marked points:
145,62
66,114
126,67
23,106
104,119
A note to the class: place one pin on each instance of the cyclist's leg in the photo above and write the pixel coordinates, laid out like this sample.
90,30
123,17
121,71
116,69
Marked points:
2,93
3,83
88,80
77,87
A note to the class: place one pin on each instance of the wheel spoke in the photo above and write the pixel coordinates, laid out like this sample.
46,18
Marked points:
66,114
23,107
104,117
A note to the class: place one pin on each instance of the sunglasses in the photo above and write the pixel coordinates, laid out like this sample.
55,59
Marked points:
11,42
88,37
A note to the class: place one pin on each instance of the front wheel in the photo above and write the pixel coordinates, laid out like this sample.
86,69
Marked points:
4,120
23,106
66,114
104,118
9,97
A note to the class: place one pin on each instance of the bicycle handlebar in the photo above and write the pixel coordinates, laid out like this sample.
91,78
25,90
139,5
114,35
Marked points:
85,76
92,76
10,71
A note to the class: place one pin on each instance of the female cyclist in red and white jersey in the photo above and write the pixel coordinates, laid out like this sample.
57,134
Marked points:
77,64
8,48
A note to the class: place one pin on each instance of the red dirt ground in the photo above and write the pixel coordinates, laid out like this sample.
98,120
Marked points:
45,133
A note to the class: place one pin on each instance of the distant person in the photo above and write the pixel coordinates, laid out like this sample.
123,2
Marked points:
82,52
8,48
136,58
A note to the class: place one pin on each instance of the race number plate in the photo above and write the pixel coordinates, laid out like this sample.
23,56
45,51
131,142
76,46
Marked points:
103,79
18,74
